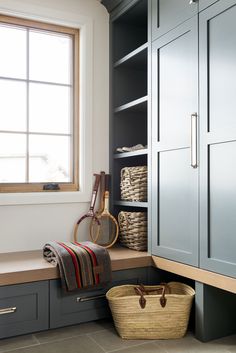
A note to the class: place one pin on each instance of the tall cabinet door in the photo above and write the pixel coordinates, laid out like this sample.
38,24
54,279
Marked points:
168,14
218,137
174,180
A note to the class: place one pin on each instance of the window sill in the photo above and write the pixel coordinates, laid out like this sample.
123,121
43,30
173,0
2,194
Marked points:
36,198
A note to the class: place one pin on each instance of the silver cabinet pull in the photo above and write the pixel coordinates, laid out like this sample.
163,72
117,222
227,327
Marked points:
86,299
194,140
7,311
192,2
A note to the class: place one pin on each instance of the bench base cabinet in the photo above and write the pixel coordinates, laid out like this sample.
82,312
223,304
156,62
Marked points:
87,305
26,308
23,308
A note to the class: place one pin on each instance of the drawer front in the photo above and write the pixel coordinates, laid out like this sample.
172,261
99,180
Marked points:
23,308
86,305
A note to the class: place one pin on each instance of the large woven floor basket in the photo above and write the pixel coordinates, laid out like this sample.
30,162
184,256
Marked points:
133,183
151,312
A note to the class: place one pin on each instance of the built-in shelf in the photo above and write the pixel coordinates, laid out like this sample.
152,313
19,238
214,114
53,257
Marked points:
138,105
131,154
130,30
131,204
137,58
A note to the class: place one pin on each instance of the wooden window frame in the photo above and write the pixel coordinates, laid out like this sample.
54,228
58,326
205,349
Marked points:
74,33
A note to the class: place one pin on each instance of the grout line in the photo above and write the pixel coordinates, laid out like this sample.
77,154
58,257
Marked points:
69,337
92,339
20,347
38,342
129,346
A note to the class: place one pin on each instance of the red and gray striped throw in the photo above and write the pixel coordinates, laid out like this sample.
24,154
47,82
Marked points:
81,265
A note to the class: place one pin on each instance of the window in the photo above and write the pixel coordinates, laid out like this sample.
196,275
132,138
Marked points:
38,106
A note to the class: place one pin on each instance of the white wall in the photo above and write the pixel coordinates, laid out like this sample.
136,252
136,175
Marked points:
29,226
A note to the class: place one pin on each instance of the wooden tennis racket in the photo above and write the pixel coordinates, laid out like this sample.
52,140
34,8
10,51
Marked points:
94,226
90,215
108,225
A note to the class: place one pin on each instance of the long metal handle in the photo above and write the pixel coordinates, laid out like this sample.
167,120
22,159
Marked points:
194,140
86,299
7,311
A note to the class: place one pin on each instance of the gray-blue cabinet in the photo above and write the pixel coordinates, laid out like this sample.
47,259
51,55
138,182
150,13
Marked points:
43,305
87,305
168,14
217,38
174,154
194,206
203,4
24,308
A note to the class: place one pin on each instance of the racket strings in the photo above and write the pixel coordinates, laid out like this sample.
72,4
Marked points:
83,226
105,232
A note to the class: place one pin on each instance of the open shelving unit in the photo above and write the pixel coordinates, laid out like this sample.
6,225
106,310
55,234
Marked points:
129,103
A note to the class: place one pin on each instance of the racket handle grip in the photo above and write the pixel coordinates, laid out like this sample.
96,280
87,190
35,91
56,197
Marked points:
97,182
107,182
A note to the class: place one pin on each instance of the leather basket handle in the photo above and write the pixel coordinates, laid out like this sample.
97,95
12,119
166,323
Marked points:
142,300
141,291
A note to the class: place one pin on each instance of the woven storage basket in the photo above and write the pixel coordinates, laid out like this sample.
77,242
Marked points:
153,321
133,184
133,230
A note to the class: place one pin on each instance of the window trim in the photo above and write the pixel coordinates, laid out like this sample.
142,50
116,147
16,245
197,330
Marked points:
75,33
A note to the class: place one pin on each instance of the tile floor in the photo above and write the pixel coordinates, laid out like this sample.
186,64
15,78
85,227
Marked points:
100,337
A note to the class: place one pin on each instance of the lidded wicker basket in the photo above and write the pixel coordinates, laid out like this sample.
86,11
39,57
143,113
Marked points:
158,312
133,230
133,184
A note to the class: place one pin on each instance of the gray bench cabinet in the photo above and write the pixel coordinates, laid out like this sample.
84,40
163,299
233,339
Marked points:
23,308
27,307
87,305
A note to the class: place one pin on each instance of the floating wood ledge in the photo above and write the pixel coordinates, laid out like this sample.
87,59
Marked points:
197,274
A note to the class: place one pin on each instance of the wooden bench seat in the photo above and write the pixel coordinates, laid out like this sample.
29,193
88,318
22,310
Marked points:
30,266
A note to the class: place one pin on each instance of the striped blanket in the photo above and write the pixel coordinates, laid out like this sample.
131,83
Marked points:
81,265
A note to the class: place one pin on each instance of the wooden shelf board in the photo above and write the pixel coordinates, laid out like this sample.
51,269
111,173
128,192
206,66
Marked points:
131,204
131,55
131,154
137,104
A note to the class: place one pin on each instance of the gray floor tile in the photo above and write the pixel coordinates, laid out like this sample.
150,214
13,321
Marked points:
80,344
17,342
143,348
229,342
223,345
100,337
72,331
189,344
109,340
183,345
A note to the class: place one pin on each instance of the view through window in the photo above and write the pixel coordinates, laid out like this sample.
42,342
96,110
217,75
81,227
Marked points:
38,105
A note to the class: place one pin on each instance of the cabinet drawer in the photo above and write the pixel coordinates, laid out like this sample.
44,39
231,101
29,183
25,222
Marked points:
76,307
23,308
86,305
168,14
